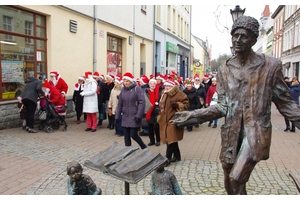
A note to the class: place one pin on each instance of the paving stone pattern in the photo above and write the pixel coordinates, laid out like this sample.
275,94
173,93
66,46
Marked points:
35,164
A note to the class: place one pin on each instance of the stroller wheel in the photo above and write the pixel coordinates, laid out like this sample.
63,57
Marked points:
41,127
56,125
49,129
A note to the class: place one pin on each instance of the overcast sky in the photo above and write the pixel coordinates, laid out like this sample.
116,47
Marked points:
205,23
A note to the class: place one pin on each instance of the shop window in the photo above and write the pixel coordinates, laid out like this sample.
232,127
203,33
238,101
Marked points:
23,50
114,55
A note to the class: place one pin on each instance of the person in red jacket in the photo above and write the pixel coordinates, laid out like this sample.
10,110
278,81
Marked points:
55,97
58,83
212,98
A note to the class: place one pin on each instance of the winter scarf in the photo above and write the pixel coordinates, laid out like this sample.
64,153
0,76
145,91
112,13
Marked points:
153,98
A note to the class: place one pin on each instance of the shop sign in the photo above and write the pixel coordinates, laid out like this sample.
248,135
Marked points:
172,48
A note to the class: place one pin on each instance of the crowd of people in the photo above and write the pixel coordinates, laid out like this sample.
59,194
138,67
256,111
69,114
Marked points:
122,101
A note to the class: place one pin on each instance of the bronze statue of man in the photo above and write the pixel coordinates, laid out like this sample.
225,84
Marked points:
248,83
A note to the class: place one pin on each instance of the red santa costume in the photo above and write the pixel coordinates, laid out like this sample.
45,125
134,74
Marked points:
56,98
58,82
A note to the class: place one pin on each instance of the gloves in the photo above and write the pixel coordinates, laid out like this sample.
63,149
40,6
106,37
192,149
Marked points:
81,94
137,120
117,121
174,104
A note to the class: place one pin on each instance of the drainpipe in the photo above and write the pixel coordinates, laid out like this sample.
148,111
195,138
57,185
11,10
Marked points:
133,39
154,46
95,39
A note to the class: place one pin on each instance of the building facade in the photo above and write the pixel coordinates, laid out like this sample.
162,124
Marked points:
278,16
70,39
291,41
172,39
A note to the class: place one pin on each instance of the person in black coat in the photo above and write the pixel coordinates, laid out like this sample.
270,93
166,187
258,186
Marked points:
193,97
102,95
109,86
29,98
154,94
206,82
78,99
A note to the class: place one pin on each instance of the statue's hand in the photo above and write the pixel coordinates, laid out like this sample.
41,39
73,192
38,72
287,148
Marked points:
183,116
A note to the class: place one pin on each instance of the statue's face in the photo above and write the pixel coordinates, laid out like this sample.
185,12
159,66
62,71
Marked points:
242,40
75,174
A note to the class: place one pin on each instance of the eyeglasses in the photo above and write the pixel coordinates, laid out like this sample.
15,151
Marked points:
197,80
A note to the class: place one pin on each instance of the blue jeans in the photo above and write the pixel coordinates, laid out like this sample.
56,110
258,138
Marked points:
132,133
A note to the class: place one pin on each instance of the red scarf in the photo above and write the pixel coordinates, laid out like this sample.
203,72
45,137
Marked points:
152,100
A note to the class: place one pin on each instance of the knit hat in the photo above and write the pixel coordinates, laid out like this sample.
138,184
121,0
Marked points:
96,75
87,74
169,82
110,76
118,79
176,80
144,79
81,78
249,23
46,84
128,76
54,74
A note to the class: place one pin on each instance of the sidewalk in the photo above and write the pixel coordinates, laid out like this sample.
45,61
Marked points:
36,163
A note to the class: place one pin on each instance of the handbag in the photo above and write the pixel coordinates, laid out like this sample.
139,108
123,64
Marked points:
102,114
144,124
148,104
42,115
214,99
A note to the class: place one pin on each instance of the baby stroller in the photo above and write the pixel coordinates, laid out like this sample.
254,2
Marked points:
50,116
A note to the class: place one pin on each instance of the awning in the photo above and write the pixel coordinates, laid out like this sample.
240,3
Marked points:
130,164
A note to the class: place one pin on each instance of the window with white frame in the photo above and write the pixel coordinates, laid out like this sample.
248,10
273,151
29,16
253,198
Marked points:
297,34
287,41
158,14
29,31
8,26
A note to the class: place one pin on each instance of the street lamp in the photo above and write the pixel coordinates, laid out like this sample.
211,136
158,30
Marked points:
237,12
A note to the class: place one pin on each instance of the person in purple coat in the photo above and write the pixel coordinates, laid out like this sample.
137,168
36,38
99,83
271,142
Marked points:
132,105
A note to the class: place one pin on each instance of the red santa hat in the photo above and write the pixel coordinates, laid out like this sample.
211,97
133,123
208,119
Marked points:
87,74
54,74
153,80
174,73
214,79
81,78
128,76
159,76
96,75
101,76
151,76
144,79
196,77
110,76
170,82
205,76
46,84
118,79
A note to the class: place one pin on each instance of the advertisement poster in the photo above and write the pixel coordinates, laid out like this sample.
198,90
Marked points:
114,63
12,71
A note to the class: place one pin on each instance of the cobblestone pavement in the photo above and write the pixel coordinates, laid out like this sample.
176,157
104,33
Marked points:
35,164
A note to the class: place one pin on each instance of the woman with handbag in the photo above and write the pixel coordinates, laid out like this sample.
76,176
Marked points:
153,94
113,103
132,105
172,100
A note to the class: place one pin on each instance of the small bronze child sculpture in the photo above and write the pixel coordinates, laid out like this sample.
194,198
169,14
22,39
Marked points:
78,183
164,182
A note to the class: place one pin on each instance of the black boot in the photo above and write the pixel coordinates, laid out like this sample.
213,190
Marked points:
287,129
109,121
293,129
